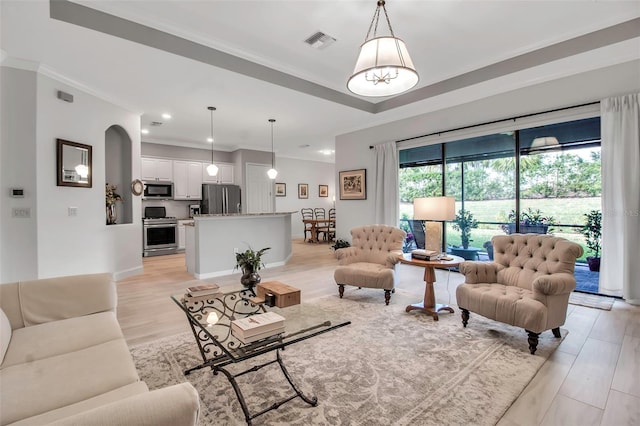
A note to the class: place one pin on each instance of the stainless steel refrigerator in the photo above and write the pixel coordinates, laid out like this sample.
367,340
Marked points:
220,199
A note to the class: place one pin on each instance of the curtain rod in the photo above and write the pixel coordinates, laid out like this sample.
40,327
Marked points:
493,122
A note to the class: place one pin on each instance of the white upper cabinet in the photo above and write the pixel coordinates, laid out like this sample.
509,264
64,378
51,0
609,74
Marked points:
187,180
225,174
159,169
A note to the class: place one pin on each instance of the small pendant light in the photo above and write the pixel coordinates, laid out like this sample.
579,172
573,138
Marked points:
212,169
272,173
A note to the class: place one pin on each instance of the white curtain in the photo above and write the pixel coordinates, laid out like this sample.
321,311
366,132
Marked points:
386,194
620,269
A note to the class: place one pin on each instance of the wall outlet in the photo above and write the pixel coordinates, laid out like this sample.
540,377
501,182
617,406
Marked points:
21,212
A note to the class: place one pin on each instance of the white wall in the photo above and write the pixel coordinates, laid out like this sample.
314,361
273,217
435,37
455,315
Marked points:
314,173
18,236
352,149
65,244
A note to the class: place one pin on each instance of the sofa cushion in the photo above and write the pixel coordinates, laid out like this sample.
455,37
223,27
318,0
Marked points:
58,381
508,304
82,406
5,335
364,274
59,337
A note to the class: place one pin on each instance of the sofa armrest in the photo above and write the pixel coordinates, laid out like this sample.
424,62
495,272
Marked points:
554,284
347,255
479,272
53,299
393,258
176,405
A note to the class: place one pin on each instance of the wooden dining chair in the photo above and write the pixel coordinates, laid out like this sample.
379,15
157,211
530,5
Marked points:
307,213
322,228
331,235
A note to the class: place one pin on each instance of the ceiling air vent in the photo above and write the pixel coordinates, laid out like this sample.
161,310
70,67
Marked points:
156,123
320,40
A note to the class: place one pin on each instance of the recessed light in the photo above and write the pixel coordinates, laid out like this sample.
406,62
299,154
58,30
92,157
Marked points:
210,140
144,131
166,116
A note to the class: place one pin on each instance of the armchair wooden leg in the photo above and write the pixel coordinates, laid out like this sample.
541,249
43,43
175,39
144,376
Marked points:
556,332
341,290
465,316
533,341
387,296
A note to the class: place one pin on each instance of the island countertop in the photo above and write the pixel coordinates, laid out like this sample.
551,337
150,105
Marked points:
206,216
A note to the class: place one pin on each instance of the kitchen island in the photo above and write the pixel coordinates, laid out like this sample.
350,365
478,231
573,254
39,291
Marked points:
212,241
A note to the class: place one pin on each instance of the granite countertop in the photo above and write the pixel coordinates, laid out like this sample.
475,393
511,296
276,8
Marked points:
241,214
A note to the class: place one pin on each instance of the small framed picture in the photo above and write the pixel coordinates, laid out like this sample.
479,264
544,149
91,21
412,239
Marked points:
303,190
323,190
281,189
353,184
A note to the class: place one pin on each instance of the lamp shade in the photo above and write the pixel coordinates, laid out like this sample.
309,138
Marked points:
434,208
383,68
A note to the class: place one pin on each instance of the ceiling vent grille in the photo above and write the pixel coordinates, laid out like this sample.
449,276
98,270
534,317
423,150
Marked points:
156,123
320,40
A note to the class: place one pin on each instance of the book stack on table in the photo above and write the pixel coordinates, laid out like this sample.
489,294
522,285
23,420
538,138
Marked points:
257,327
203,291
424,254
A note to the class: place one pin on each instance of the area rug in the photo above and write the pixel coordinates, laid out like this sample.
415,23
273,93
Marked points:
386,367
591,300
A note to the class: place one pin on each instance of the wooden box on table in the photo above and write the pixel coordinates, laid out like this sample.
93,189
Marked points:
285,295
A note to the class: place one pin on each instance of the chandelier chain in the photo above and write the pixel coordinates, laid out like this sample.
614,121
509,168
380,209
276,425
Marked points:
375,20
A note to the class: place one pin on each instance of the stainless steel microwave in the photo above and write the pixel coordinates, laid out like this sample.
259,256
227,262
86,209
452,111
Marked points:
158,190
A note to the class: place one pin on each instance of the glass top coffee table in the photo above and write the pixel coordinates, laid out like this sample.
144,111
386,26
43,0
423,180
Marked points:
219,347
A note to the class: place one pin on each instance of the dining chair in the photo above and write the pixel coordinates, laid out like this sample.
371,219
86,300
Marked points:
307,213
332,226
322,228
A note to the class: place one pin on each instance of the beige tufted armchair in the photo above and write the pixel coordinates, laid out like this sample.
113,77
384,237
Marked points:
527,285
371,260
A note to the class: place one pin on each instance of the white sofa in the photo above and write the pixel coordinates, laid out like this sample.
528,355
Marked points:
65,360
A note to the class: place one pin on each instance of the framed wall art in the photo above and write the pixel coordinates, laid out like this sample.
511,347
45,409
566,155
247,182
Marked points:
303,190
353,184
323,190
281,189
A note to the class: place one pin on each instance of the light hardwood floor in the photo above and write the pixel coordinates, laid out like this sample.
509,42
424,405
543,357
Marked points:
592,379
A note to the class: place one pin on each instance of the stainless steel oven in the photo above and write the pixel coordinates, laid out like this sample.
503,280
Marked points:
159,232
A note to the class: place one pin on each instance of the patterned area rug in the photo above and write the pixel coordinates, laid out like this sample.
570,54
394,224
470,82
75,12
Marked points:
387,367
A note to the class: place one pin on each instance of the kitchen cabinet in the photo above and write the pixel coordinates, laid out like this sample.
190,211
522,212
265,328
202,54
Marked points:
159,169
225,174
187,180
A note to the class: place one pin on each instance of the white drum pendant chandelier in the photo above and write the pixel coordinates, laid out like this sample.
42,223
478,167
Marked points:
384,67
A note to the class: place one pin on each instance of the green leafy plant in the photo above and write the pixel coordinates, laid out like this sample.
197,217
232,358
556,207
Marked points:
592,231
250,261
340,244
464,222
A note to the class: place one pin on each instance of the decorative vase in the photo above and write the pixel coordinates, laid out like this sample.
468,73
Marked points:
250,279
111,214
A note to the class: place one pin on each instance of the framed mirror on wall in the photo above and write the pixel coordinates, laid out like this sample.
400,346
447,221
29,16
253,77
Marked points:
73,164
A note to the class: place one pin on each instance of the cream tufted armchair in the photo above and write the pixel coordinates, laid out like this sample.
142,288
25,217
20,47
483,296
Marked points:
527,285
371,260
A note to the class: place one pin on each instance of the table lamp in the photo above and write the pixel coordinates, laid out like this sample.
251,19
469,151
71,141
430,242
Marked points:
437,209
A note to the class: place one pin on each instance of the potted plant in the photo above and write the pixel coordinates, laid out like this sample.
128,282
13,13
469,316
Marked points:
592,231
464,222
250,262
531,222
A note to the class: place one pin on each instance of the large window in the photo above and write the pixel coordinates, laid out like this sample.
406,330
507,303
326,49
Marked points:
555,178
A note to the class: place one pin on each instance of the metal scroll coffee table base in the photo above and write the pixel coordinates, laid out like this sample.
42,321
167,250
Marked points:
219,347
